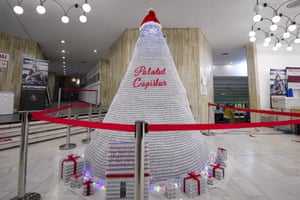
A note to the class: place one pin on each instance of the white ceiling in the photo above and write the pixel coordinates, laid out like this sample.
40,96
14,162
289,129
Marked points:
225,23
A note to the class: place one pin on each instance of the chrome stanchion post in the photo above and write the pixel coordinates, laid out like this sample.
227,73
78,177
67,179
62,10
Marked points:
23,163
141,128
59,100
96,99
68,145
100,112
88,138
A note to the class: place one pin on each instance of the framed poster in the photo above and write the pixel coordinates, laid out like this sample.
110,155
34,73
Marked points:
35,72
278,82
33,98
34,84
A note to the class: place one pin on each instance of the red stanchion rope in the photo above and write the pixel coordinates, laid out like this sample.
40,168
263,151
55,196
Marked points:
270,112
41,115
165,127
77,90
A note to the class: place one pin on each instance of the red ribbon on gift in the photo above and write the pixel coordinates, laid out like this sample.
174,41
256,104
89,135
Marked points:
221,149
192,175
77,176
70,158
88,185
217,166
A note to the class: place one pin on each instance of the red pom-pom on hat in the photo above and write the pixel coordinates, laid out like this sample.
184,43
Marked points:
150,17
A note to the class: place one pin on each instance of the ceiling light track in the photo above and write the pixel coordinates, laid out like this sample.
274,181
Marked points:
41,9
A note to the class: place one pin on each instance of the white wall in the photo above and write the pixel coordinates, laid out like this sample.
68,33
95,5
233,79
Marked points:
267,59
90,96
231,70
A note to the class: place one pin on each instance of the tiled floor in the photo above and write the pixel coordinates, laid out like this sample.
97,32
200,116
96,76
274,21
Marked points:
265,167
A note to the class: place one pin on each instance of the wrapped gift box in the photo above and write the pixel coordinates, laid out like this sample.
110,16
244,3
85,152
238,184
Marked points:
210,180
88,187
222,151
76,181
70,166
171,190
194,185
220,160
217,171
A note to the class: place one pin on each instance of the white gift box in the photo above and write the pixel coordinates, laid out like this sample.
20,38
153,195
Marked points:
192,187
222,151
216,171
210,180
171,190
68,169
76,181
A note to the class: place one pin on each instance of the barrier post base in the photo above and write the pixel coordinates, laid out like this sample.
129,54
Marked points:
29,196
67,146
86,141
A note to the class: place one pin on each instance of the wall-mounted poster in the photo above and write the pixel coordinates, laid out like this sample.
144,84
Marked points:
278,82
293,77
35,72
4,58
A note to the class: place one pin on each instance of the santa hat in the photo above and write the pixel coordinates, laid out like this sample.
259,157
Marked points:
150,17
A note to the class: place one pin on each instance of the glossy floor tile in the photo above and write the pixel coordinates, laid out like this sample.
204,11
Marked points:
264,167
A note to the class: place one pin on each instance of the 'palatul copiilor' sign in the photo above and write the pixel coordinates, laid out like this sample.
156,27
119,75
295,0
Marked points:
141,71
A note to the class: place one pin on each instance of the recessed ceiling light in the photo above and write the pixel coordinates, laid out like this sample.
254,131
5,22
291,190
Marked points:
63,57
63,51
64,66
62,41
95,51
63,62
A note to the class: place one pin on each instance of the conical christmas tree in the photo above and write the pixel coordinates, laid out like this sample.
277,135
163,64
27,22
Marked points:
152,91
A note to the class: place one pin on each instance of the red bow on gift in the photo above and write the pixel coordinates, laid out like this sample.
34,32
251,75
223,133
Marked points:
77,176
221,149
192,175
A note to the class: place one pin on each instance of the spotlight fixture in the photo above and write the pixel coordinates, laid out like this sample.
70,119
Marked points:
278,25
83,18
85,7
257,9
40,9
18,9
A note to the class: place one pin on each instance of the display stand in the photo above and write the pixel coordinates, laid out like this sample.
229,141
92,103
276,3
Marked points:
23,163
141,128
68,145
